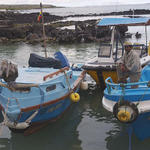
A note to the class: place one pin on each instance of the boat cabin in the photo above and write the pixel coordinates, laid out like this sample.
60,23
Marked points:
115,49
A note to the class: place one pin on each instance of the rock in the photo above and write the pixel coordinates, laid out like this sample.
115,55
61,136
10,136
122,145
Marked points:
19,18
33,38
3,39
66,36
26,27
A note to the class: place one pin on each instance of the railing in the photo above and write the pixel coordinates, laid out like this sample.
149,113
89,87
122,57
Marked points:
55,73
110,85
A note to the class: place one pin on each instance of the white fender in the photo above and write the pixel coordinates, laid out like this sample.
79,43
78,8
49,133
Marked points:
22,125
84,85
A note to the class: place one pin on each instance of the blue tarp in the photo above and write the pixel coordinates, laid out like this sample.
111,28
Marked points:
124,21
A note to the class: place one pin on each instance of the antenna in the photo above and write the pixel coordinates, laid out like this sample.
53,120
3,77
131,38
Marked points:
133,14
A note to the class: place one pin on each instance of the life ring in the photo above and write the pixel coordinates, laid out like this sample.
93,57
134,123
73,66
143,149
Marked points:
75,97
125,111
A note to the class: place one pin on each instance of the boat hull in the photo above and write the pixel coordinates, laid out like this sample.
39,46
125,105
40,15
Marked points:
27,107
101,74
141,125
48,112
44,116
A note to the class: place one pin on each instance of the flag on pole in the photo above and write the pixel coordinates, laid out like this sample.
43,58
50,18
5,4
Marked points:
40,16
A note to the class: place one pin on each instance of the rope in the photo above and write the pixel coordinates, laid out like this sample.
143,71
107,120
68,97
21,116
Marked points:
122,88
69,87
130,130
140,99
4,113
123,92
5,117
22,125
32,116
18,86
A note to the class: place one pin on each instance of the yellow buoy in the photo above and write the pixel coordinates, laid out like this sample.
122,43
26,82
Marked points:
75,97
124,116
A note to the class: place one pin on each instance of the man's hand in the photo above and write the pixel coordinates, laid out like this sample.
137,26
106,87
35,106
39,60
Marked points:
123,68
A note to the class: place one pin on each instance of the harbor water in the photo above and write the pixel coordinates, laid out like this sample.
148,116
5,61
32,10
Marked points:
85,126
88,10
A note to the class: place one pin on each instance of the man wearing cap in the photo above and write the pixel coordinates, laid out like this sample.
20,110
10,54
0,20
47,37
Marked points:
129,65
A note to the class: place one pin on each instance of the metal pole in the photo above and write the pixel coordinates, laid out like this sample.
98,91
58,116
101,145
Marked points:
146,36
112,40
44,36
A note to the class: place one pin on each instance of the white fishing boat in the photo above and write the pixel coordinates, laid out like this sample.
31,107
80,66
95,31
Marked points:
104,64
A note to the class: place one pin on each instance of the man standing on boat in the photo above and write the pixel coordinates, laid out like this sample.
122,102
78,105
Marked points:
129,65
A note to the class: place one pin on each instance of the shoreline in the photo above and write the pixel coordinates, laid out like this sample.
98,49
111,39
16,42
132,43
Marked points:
24,7
25,27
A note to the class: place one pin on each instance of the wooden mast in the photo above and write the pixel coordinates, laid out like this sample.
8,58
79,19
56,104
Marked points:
44,36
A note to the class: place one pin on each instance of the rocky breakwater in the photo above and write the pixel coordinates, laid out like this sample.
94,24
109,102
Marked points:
19,27
25,27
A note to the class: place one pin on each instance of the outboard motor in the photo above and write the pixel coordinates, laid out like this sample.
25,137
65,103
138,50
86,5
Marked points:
8,71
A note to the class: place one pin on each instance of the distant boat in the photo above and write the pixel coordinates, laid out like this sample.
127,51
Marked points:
40,94
104,64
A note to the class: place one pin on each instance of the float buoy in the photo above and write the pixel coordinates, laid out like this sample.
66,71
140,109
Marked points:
84,85
124,115
125,111
75,97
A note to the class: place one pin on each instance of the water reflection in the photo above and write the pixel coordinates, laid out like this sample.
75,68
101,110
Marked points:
85,126
94,124
119,140
7,51
60,135
20,52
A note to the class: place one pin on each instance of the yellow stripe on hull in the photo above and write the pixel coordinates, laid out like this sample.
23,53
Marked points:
94,75
112,74
105,75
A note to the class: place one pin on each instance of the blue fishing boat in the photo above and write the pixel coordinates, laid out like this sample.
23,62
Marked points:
32,97
131,106
40,93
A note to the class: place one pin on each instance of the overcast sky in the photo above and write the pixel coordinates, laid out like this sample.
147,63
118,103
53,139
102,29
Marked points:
75,3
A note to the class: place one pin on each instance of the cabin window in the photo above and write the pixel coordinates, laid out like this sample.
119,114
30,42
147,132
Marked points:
105,50
51,88
22,89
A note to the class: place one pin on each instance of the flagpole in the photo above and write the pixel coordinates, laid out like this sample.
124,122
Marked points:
44,36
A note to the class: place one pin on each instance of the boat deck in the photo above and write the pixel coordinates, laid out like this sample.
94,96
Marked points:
33,75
